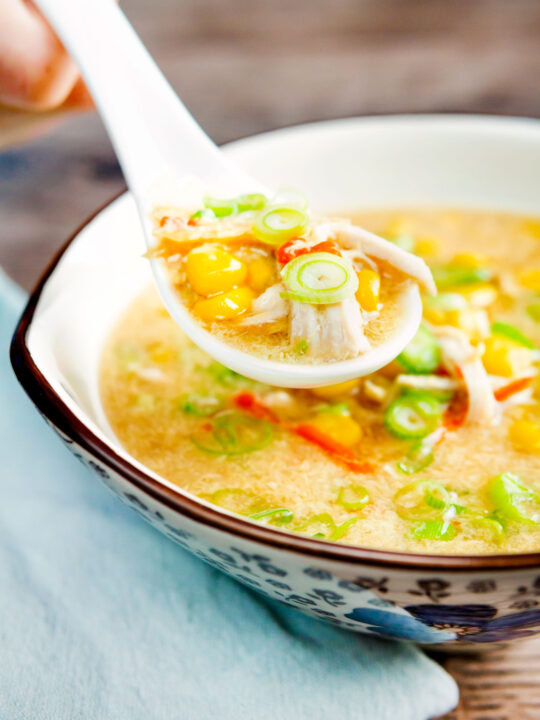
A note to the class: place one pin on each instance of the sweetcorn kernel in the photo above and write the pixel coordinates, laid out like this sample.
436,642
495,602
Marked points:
331,391
426,246
473,321
369,288
341,428
260,274
211,270
532,227
225,306
530,279
504,357
525,435
479,294
160,353
398,226
470,260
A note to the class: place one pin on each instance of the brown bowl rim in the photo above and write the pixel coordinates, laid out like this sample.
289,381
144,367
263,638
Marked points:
51,406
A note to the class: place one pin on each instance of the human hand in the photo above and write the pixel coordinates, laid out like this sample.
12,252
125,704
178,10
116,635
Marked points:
36,73
38,79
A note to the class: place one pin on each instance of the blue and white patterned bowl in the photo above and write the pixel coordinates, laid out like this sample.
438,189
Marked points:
449,602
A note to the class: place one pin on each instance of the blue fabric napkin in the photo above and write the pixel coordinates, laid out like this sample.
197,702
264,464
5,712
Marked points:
103,618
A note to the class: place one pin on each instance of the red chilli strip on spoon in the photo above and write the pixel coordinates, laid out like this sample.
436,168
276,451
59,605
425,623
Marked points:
248,402
296,247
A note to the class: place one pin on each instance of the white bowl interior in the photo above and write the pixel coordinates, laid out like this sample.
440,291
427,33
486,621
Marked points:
341,165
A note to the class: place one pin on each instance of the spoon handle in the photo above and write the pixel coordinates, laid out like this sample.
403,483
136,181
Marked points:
152,132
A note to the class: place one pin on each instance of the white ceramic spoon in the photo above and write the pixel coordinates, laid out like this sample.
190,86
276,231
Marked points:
156,139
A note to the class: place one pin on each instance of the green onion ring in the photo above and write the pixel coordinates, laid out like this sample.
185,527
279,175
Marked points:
353,497
232,432
423,354
252,201
414,415
237,500
275,224
419,457
514,500
200,405
512,333
433,530
220,207
422,500
276,516
342,529
319,279
453,275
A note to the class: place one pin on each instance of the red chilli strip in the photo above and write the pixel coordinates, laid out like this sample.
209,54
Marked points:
296,247
455,414
506,391
248,402
336,450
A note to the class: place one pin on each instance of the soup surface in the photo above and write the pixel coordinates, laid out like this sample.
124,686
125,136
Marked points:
274,280
438,452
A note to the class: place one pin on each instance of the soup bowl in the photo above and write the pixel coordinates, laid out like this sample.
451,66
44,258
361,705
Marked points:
458,602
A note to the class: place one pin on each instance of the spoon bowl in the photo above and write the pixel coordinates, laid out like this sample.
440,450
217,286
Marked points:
162,150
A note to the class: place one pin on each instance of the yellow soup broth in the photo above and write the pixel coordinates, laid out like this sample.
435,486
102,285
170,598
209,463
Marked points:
245,446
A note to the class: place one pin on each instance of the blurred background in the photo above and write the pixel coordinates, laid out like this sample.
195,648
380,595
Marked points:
247,66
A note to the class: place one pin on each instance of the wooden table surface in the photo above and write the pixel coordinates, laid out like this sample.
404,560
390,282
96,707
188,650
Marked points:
245,66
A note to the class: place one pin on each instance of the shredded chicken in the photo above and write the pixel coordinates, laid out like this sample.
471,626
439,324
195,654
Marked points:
269,307
352,236
431,383
461,358
330,330
377,389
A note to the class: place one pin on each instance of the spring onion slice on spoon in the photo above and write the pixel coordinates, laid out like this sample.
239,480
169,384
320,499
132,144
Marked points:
319,278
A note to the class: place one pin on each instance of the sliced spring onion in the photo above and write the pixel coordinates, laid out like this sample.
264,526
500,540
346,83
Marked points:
221,207
232,432
414,415
275,224
405,242
337,409
422,500
353,497
481,528
253,201
533,311
321,525
203,214
290,196
273,516
341,530
454,275
514,500
419,457
128,354
200,405
433,530
446,302
512,333
423,354
223,375
145,402
237,500
301,347
319,279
